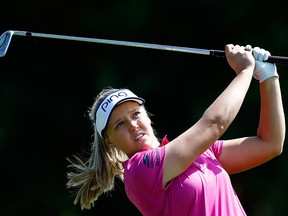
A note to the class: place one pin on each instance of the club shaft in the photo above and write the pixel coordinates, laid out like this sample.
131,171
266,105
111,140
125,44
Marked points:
215,53
115,42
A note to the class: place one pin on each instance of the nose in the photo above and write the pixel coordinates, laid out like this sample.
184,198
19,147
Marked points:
133,126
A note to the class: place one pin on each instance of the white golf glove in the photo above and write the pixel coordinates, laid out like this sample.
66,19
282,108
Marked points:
263,70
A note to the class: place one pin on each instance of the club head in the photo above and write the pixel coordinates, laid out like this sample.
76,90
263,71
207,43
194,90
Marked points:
5,40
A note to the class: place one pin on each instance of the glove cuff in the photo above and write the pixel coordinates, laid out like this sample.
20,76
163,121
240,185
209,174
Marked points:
265,71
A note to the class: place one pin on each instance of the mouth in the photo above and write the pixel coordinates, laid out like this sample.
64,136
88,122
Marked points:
139,136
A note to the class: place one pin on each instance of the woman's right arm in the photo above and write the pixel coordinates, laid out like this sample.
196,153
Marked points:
182,151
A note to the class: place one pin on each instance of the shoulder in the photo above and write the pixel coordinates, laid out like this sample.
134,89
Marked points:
148,159
143,173
145,164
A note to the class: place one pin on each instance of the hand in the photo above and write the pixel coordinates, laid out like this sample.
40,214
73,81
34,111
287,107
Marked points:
263,70
239,58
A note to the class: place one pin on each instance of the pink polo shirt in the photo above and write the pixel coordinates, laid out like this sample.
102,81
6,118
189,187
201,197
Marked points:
204,189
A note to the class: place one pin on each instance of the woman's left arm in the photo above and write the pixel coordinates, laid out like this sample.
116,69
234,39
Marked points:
247,152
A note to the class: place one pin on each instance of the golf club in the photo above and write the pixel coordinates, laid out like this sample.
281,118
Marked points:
6,37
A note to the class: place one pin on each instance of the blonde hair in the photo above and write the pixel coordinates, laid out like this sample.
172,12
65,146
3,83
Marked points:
94,176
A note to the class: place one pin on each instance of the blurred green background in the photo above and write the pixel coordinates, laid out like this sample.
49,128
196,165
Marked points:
47,85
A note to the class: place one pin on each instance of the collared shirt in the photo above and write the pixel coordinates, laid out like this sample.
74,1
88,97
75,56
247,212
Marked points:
204,189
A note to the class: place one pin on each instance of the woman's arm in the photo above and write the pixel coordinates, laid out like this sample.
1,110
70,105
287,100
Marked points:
245,153
183,150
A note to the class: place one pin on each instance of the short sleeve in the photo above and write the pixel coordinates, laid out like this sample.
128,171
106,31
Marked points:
143,175
217,148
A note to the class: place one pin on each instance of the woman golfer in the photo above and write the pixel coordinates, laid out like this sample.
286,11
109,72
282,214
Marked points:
188,175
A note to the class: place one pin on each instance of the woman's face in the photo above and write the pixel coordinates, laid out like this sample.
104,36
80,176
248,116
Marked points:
129,129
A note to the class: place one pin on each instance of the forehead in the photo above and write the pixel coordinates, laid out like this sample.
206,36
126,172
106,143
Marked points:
125,108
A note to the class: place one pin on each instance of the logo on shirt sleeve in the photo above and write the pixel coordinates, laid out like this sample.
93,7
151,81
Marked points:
152,158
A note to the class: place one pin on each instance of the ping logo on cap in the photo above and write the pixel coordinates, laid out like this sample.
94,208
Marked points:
109,99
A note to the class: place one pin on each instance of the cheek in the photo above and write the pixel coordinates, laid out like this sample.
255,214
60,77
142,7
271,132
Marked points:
148,121
117,138
145,119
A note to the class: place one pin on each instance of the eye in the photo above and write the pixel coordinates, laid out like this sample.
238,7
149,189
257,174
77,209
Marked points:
136,114
119,124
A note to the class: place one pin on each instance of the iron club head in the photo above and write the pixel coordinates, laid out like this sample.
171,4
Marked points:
5,40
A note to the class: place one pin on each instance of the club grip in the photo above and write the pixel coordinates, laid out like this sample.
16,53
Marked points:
272,59
278,60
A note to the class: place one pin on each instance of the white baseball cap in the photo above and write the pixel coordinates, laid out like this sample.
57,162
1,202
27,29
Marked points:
109,103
